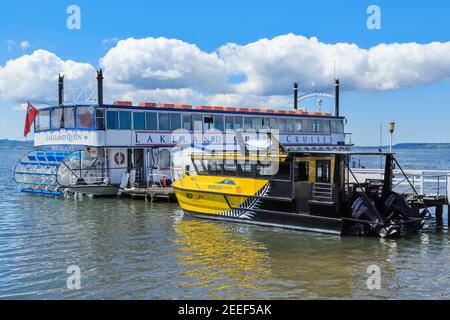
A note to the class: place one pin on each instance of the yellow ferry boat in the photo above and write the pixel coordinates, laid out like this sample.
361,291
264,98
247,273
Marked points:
314,191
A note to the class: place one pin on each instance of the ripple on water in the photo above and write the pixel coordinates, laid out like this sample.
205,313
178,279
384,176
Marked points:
138,250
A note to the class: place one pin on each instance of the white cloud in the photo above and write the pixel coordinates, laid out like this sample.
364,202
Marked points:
109,42
10,44
257,74
271,66
20,107
34,76
182,96
248,100
160,63
24,45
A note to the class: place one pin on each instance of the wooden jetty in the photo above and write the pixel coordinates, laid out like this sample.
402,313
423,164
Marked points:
150,193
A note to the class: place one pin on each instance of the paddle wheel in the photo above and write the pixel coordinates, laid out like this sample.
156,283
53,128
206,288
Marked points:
51,172
36,172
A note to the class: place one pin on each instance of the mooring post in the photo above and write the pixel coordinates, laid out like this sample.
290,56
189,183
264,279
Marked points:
438,214
447,200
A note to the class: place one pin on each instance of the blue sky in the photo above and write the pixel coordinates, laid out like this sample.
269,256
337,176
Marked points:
420,110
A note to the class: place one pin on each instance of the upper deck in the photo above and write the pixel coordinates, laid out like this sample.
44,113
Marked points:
150,124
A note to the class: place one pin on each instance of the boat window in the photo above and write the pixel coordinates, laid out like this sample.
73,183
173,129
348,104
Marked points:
199,166
208,122
56,118
229,168
175,121
218,122
229,125
247,123
318,126
164,159
43,122
305,125
163,119
323,171
215,167
238,123
69,117
266,123
326,126
197,120
151,122
138,120
125,120
84,117
302,169
337,126
187,124
273,123
257,123
290,125
112,119
282,125
340,126
298,125
99,119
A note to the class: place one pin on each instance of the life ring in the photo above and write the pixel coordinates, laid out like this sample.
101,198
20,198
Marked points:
119,158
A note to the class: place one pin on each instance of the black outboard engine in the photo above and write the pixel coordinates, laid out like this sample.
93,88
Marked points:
364,209
397,209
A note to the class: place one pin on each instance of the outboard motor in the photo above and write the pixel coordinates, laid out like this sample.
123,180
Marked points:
363,209
396,208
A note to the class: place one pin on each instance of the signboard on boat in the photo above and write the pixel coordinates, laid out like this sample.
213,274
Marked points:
69,137
142,138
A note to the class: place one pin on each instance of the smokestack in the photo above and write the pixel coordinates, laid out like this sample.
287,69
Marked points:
336,97
295,95
60,90
100,87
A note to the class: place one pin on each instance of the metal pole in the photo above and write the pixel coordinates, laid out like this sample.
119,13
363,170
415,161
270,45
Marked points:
381,144
336,98
295,95
390,144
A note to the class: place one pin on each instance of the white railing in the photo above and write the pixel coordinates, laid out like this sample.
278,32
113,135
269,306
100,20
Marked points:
432,183
348,139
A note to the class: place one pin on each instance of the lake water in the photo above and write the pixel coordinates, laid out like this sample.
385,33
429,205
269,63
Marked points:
132,249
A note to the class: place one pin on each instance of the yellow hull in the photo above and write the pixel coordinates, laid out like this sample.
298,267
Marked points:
215,194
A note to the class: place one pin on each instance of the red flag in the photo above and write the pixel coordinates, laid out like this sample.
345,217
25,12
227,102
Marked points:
29,119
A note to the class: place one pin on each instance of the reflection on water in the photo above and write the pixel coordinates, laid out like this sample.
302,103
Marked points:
130,249
219,258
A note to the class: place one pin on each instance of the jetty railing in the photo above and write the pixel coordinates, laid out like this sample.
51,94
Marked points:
428,183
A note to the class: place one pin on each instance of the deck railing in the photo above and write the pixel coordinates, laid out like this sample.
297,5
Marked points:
429,183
